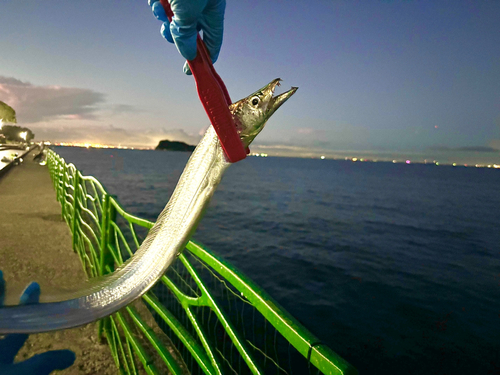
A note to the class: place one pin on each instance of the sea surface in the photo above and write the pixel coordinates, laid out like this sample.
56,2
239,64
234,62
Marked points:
396,267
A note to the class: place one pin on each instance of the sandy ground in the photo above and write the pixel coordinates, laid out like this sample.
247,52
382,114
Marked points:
35,245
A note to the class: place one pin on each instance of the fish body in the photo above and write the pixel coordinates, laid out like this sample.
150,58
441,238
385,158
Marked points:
168,237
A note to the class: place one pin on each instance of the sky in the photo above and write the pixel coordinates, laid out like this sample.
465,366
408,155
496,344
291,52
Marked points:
378,79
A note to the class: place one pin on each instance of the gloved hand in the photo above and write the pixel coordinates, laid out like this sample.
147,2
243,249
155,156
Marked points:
191,16
40,364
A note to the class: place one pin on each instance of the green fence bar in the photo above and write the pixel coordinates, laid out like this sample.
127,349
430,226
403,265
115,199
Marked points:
204,316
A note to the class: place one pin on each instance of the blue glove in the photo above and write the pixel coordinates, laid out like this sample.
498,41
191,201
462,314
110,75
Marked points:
191,16
40,364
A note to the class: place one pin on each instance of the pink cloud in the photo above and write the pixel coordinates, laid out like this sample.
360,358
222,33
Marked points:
34,103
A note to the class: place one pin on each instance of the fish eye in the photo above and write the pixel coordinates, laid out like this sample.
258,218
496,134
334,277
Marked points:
255,101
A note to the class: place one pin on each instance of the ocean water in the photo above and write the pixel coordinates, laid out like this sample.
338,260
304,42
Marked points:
396,267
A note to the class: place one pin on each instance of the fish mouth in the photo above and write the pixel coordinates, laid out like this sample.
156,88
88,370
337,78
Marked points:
277,101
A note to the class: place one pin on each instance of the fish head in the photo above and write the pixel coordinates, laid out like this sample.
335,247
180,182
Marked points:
251,113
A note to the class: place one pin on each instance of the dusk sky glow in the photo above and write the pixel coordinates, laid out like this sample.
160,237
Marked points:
380,79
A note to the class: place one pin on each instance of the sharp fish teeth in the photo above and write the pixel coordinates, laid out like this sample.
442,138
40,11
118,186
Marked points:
273,88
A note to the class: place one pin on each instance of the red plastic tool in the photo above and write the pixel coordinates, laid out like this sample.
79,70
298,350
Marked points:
214,97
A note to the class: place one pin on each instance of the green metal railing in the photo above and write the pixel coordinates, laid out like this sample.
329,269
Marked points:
203,316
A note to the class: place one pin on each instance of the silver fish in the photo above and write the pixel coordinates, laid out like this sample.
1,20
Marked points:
168,237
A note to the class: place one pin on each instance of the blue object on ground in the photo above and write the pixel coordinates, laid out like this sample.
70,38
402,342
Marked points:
40,364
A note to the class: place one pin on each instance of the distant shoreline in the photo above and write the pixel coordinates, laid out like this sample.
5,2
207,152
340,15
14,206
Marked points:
398,160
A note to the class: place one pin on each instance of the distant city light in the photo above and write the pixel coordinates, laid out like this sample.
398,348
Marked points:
98,145
23,135
321,157
1,123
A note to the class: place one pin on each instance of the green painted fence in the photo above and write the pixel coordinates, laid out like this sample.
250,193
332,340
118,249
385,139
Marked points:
202,317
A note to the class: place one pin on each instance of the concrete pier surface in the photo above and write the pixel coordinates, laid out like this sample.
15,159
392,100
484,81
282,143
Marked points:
35,245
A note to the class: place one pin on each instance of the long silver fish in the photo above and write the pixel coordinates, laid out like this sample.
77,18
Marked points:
168,237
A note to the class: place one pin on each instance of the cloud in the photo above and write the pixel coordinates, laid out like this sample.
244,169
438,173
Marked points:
322,134
13,81
495,144
305,130
464,149
477,149
110,135
34,103
118,109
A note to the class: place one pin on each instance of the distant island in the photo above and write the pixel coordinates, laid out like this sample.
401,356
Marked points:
174,146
